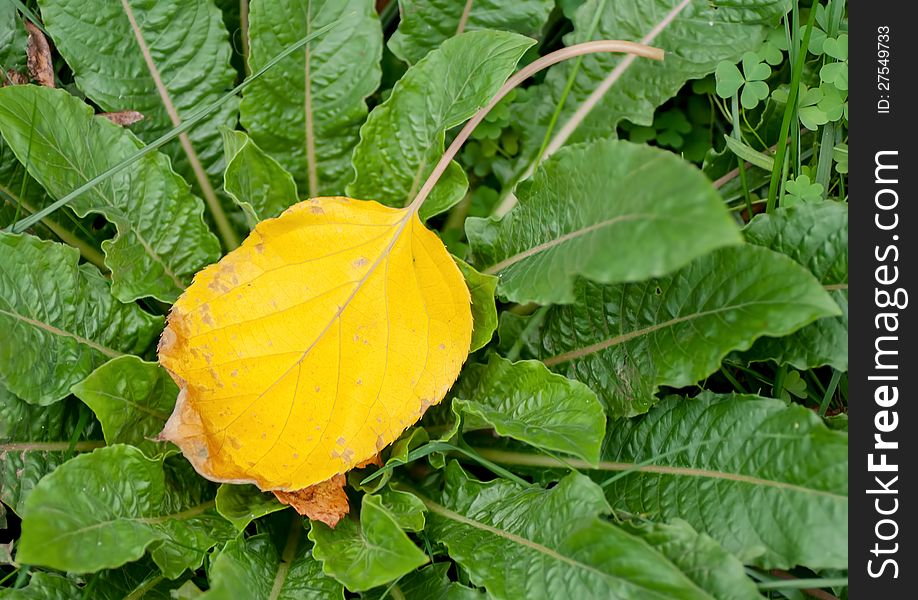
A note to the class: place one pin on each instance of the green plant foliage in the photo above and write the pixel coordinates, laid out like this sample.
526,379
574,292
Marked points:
484,312
12,39
606,222
254,180
403,137
242,504
59,319
306,112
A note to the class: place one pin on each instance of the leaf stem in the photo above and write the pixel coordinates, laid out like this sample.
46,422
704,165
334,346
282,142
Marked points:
516,79
170,135
830,391
741,164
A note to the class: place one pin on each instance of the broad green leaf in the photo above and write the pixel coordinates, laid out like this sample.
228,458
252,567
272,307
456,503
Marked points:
43,586
700,36
404,507
59,319
529,403
260,186
502,533
141,579
403,137
484,310
398,451
610,211
242,504
100,42
766,480
253,568
365,554
105,509
424,25
626,340
162,239
13,38
306,111
816,236
428,583
132,399
705,561
36,440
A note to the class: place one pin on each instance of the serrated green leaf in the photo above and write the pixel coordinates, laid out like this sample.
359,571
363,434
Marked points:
34,441
105,509
700,557
610,211
253,568
429,583
306,112
527,402
364,555
701,36
767,480
254,180
12,40
99,42
59,319
484,310
242,504
43,586
502,533
403,137
132,399
162,239
815,236
424,25
626,340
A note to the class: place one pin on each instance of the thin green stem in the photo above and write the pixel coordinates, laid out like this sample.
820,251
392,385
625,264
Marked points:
802,584
733,380
776,174
741,164
535,321
778,387
830,392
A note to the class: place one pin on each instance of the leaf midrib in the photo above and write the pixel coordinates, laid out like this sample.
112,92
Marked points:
111,353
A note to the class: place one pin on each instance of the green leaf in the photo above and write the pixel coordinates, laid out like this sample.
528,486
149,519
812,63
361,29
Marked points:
105,509
626,340
162,239
767,480
815,236
257,183
306,112
132,399
801,190
59,319
705,561
253,568
404,507
424,25
429,583
36,440
610,211
403,137
363,555
701,36
43,586
484,310
13,38
141,579
242,504
502,533
99,42
527,402
729,79
763,161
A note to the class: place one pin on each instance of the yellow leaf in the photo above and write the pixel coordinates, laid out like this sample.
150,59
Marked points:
313,345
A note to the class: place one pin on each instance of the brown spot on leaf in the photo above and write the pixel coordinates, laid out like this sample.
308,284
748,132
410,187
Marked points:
38,52
325,501
360,262
123,117
373,460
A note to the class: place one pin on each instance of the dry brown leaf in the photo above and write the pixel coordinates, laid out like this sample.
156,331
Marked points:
38,52
123,117
326,501
14,78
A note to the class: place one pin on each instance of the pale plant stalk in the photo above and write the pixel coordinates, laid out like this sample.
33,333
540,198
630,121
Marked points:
560,138
632,48
228,235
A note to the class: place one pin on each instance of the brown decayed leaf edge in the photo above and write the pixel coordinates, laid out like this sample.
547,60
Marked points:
326,501
38,53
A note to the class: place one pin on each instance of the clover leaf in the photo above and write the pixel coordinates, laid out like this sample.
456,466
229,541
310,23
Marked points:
752,80
840,156
801,191
836,73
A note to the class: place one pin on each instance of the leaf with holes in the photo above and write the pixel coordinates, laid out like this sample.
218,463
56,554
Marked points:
312,346
766,480
626,340
89,503
161,237
129,54
59,319
306,112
